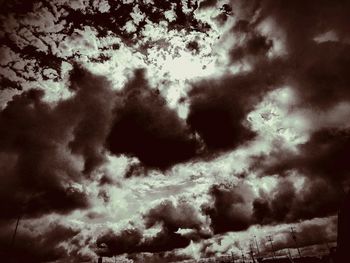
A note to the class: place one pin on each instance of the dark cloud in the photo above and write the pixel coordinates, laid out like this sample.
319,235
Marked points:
321,74
147,128
170,256
318,70
166,240
207,3
237,207
219,107
126,241
17,6
36,246
136,169
285,204
193,46
132,240
323,156
182,215
41,146
280,205
230,210
254,47
95,100
170,217
302,20
323,161
308,234
47,151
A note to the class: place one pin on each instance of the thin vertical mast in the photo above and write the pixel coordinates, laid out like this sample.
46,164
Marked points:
15,232
295,240
269,238
257,247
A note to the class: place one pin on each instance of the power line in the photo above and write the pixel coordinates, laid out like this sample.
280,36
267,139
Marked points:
269,238
290,256
257,247
232,257
251,252
295,239
15,231
243,258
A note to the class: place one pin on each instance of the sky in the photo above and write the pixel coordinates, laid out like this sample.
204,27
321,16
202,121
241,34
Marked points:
165,131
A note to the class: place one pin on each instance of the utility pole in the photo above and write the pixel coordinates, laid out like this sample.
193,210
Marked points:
243,259
269,238
232,258
329,249
295,239
290,256
20,214
252,252
15,231
257,247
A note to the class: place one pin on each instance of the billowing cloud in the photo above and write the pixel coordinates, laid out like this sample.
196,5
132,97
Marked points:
219,107
147,128
231,208
322,156
63,241
47,151
285,203
169,130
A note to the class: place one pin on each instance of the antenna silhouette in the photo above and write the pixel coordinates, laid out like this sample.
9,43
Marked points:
20,215
295,239
251,252
290,255
15,231
328,248
232,257
257,247
269,238
243,259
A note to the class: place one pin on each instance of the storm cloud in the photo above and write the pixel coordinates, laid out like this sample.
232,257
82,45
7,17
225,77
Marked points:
170,130
147,128
46,151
